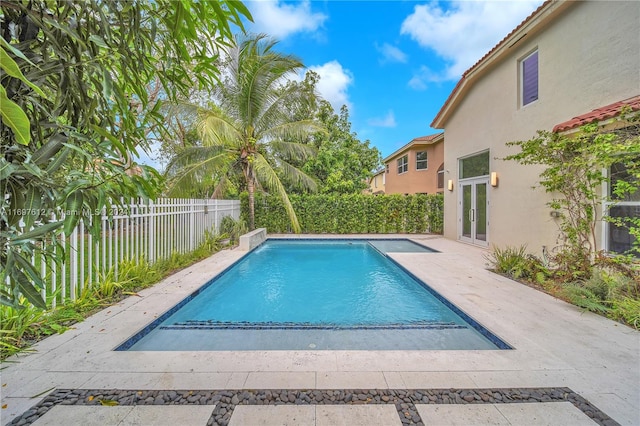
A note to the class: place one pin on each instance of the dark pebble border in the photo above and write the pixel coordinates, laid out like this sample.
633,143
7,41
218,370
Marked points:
226,400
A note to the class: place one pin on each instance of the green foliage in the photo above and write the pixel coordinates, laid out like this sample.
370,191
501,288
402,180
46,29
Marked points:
249,131
343,164
516,263
627,309
81,91
233,228
350,213
25,324
584,298
573,166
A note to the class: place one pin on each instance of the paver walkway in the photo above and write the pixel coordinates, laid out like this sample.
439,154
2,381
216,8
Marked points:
558,349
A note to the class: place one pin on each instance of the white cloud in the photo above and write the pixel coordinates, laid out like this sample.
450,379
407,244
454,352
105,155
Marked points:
334,83
391,53
388,120
465,31
423,76
279,19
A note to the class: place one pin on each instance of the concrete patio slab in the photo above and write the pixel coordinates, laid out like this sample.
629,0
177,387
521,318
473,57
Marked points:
157,415
270,415
356,415
555,345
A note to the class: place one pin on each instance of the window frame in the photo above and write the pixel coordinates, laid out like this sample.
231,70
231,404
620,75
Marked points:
524,100
440,177
607,204
404,165
426,160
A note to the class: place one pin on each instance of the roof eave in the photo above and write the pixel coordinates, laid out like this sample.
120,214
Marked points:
531,25
436,138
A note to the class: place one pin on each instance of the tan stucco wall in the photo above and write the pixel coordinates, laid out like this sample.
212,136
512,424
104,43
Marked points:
377,184
589,57
415,181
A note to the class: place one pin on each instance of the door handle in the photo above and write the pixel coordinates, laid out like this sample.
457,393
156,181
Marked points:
472,215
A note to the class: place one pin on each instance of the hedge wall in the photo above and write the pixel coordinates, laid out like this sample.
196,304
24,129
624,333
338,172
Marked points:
350,214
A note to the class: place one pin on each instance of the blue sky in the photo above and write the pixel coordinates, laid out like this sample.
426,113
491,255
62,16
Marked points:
393,63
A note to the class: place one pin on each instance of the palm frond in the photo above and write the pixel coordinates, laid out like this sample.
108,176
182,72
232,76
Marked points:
193,165
267,175
291,150
218,129
294,131
297,176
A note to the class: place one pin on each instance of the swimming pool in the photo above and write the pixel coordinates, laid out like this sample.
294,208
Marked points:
318,294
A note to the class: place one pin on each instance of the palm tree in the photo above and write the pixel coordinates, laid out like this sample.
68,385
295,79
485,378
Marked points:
250,129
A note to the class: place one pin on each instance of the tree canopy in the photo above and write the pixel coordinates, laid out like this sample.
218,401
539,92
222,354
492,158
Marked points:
82,84
248,129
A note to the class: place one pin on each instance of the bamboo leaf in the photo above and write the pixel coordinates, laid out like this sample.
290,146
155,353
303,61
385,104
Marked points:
48,150
36,233
14,117
12,69
27,289
32,205
109,402
6,168
73,211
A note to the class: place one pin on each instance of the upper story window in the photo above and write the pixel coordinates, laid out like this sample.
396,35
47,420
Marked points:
421,160
441,176
529,78
403,164
386,168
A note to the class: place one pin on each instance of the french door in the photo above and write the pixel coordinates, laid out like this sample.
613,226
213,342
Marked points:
473,209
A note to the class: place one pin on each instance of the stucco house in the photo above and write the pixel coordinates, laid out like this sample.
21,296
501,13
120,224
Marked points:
417,167
377,182
567,59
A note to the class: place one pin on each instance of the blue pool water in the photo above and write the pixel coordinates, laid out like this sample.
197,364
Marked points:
320,294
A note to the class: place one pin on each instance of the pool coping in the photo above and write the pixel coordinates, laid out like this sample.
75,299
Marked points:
556,345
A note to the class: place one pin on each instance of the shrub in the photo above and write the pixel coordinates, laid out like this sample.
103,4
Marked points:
515,263
350,213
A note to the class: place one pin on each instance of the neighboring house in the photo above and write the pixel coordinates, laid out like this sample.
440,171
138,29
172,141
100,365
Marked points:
417,167
564,60
377,183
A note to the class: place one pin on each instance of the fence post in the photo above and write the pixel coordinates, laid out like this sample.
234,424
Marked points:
192,225
151,231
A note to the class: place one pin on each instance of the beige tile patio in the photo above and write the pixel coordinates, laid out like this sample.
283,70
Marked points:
83,415
544,414
461,415
273,415
436,380
194,381
351,380
168,415
357,415
128,380
394,380
281,380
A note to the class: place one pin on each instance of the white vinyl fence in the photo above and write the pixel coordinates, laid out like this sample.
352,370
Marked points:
151,230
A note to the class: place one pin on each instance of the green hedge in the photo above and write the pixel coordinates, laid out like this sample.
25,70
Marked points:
350,213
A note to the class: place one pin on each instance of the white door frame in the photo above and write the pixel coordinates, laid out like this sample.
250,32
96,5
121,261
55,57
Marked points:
471,214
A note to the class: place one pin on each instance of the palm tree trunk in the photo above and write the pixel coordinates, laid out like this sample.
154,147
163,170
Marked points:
252,209
248,175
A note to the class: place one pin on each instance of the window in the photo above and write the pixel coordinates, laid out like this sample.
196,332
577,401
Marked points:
403,164
529,78
441,176
386,168
476,165
622,210
421,160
